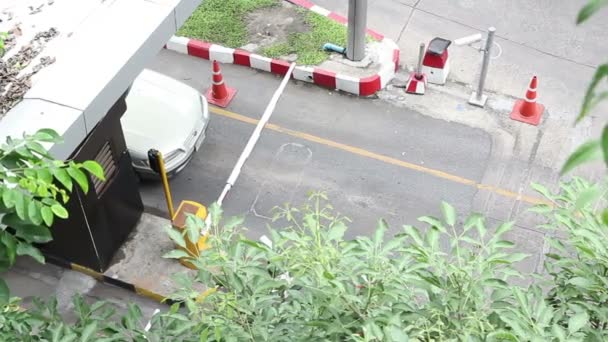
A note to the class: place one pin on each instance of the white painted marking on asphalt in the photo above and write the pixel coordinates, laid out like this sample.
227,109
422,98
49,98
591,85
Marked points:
273,164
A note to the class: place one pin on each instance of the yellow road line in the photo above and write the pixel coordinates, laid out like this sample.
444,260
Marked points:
379,157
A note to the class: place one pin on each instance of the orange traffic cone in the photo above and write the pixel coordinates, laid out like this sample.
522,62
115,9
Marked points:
527,110
219,94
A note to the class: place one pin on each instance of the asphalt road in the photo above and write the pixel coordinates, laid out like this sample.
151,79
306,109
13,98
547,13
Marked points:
373,159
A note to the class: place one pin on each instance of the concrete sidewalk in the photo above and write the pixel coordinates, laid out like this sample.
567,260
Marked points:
138,265
535,38
532,38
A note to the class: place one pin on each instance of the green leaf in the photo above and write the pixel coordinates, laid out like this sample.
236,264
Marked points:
504,244
328,275
69,337
558,332
8,198
581,282
33,212
57,332
258,245
233,222
94,168
10,243
586,197
36,147
4,292
605,217
20,205
515,257
605,144
589,100
216,212
432,238
473,220
42,191
541,190
47,135
336,231
501,336
27,249
176,254
31,233
88,331
449,214
587,152
381,228
412,232
576,322
175,236
47,215
495,283
24,152
59,211
45,176
589,9
432,221
541,208
80,178
396,334
503,228
63,177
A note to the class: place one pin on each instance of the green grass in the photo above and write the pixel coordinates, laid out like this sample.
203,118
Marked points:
308,46
222,21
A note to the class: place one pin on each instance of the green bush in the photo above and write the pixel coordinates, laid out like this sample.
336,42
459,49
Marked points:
448,281
34,188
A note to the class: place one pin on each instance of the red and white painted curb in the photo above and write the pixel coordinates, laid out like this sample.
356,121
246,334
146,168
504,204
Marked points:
359,86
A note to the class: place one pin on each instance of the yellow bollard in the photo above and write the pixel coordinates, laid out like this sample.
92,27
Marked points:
157,164
179,223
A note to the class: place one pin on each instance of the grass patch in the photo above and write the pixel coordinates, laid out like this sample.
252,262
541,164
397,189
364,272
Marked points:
308,45
222,21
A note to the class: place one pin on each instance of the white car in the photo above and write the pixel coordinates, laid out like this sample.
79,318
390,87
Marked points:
166,115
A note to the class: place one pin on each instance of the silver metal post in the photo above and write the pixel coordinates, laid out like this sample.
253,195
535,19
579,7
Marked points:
477,97
357,24
420,58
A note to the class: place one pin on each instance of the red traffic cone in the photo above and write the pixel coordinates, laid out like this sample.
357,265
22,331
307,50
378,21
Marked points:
527,110
219,94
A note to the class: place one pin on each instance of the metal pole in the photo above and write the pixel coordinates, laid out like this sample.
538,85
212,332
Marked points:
357,24
478,98
420,58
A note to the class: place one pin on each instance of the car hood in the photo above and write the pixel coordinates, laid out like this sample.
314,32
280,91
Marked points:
161,113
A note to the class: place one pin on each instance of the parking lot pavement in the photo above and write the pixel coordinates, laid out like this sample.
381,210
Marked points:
373,159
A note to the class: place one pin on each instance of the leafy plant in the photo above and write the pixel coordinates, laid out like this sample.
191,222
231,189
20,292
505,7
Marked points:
96,322
34,189
579,262
306,282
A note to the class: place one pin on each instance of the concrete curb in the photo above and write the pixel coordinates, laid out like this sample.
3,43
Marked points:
134,288
364,86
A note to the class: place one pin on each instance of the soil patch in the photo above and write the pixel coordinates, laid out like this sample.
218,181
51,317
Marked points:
273,25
